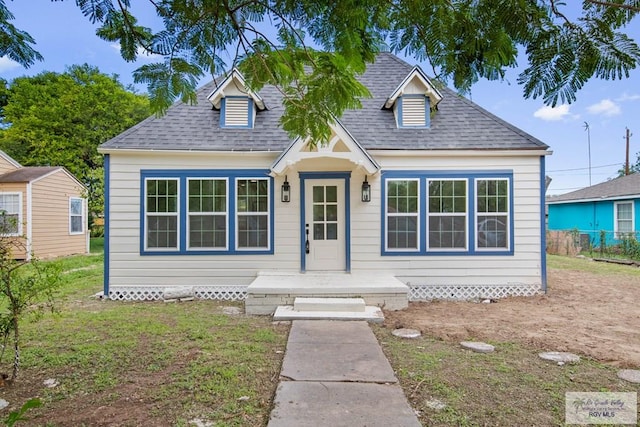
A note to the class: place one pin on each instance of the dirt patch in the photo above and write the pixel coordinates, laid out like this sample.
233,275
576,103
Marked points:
597,316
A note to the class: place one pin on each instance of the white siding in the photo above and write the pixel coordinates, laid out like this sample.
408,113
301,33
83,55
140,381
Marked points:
129,268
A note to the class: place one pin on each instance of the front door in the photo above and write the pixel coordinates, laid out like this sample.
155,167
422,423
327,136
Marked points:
325,226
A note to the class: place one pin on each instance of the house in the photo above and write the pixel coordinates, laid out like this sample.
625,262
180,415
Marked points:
611,207
44,208
420,194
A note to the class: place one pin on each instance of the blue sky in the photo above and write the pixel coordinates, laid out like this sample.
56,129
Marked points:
64,37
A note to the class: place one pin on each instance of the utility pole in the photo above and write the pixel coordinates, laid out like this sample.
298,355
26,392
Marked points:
626,165
586,127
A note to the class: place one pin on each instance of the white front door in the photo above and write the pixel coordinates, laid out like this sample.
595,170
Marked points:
325,226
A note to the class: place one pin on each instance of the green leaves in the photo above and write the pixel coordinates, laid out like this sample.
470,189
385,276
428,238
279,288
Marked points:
14,43
462,41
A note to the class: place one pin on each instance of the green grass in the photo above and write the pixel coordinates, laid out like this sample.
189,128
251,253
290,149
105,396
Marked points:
157,363
511,386
583,264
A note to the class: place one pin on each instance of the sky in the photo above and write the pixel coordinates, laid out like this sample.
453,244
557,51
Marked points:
65,37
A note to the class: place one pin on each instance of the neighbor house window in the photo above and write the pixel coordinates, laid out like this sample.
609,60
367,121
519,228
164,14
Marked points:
76,215
492,213
207,208
161,213
252,210
623,223
402,214
447,214
10,213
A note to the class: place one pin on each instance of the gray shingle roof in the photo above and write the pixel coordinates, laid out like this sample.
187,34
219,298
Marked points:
27,173
616,188
458,123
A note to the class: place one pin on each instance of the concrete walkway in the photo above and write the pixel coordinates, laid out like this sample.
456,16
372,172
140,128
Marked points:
335,374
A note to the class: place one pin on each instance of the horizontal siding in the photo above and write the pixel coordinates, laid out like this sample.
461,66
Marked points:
129,268
50,217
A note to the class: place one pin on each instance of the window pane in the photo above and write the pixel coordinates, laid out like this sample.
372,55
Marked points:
447,232
332,193
252,231
624,210
492,231
76,206
318,194
318,231
402,196
402,232
252,195
318,212
332,231
332,212
162,195
207,231
162,231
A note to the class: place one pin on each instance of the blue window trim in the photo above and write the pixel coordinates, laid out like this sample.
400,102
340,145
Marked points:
427,112
181,175
471,176
347,213
543,227
223,113
107,203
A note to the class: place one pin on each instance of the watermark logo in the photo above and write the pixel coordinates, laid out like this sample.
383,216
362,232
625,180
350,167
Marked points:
601,408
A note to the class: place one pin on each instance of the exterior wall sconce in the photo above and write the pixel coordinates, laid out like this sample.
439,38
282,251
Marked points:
366,190
285,194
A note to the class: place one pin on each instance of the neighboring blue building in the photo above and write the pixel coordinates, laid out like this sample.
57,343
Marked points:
611,206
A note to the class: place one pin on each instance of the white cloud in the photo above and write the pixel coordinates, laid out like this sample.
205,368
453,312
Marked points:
552,113
628,97
142,54
7,64
606,107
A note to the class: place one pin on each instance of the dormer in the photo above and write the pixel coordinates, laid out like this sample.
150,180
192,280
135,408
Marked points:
413,100
237,103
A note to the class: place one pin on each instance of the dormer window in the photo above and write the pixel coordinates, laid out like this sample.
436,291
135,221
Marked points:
237,103
237,111
412,111
413,100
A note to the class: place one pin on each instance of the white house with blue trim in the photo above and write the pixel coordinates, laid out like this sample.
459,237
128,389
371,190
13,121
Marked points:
421,194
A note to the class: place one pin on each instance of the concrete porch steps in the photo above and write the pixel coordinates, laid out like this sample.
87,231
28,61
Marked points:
329,309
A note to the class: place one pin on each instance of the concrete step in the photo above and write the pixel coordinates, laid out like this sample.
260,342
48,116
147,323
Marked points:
329,304
370,314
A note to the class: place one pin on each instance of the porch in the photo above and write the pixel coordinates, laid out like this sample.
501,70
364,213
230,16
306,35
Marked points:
272,289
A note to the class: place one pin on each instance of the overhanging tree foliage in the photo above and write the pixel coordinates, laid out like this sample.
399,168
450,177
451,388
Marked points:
463,41
60,119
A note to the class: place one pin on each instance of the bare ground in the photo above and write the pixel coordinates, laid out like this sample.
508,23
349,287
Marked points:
597,316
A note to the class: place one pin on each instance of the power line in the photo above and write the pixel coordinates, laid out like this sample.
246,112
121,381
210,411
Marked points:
583,169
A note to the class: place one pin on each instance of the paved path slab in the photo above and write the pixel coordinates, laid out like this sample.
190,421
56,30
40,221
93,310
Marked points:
333,404
335,374
320,350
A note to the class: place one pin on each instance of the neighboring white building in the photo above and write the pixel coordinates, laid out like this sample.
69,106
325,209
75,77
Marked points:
420,188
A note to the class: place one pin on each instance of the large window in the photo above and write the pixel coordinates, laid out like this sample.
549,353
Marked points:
207,213
162,213
76,215
10,213
623,219
253,213
402,214
447,213
492,209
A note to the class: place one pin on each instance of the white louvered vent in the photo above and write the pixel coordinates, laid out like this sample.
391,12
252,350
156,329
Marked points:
413,111
236,112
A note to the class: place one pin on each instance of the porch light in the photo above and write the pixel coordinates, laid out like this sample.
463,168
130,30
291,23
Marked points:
366,190
286,191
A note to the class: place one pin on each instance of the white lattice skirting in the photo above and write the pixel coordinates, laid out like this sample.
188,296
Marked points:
148,293
469,292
